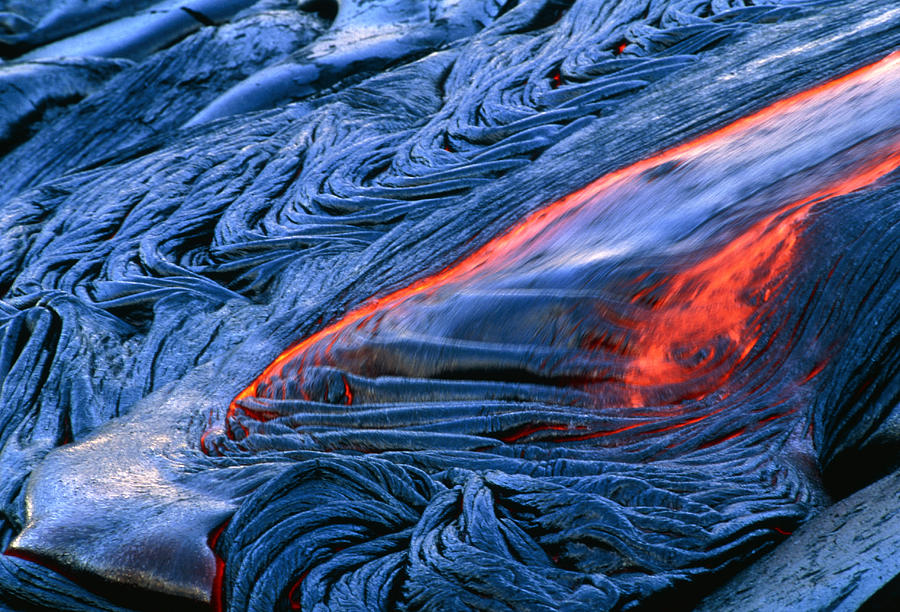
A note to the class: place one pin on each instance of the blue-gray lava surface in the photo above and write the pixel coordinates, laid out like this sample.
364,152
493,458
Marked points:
443,304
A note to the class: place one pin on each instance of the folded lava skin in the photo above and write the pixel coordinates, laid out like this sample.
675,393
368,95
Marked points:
530,305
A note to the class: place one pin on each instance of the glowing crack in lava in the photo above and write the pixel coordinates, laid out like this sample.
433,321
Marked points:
711,233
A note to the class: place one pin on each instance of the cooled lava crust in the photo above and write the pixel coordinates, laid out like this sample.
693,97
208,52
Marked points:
438,305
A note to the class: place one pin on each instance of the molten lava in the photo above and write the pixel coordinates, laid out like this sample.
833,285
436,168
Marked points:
544,304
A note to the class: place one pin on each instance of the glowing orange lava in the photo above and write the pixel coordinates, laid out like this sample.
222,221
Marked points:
718,297
709,310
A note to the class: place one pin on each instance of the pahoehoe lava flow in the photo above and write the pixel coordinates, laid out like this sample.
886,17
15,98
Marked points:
447,305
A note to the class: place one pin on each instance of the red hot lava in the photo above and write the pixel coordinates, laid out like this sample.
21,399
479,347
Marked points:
675,337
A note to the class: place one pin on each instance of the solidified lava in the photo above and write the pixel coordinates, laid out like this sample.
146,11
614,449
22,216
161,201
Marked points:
447,305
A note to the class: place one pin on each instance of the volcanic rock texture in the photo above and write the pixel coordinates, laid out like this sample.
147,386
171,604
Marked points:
447,304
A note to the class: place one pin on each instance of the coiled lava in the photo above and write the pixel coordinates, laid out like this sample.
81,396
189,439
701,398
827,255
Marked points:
366,305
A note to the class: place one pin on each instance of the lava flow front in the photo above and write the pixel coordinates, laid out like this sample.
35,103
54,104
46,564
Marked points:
647,299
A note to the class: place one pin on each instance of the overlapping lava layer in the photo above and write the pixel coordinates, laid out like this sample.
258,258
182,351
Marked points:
500,396
711,312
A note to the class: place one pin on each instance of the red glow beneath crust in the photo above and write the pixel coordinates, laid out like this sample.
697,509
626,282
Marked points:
347,392
21,554
710,308
62,570
217,597
621,48
723,439
203,447
600,434
294,593
781,531
531,429
815,372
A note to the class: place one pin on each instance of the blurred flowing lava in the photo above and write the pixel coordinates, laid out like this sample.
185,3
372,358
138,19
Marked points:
661,338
